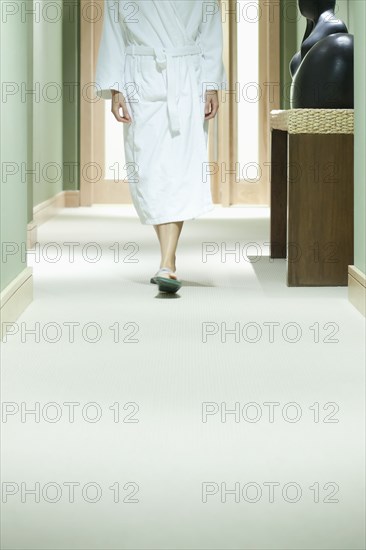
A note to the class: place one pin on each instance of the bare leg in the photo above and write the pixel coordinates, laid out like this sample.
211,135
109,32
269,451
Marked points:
168,235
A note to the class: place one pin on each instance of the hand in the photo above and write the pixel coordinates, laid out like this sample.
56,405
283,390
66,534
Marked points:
212,104
119,102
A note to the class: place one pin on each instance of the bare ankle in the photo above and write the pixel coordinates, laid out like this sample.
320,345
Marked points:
168,265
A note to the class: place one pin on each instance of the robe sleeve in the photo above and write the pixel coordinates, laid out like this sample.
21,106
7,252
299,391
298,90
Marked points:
109,74
211,39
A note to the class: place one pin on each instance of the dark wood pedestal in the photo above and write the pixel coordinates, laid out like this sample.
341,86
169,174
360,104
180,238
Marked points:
312,204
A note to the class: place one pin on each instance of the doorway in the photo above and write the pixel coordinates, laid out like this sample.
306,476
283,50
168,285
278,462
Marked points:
239,137
252,60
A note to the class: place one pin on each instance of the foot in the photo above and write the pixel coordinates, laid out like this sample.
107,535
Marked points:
171,273
165,272
168,274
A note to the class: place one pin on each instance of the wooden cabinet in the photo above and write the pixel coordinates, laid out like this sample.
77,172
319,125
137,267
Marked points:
312,171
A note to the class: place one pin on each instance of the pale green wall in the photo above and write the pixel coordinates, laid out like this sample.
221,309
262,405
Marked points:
13,147
288,45
34,128
30,121
71,103
358,21
48,112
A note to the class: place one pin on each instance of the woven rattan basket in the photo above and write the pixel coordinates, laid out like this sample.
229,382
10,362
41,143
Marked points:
313,121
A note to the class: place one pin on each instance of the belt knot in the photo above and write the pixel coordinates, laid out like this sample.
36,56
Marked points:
160,57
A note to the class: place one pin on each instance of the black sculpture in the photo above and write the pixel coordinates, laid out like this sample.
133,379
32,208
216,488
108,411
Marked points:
322,70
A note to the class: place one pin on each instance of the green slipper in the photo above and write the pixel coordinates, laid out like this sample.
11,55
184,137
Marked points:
166,284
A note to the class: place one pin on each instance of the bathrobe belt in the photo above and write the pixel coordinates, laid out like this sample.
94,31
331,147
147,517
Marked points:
163,57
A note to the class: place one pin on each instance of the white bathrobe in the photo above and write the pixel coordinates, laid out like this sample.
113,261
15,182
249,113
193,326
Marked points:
163,55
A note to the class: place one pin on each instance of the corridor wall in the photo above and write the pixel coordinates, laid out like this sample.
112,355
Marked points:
358,21
48,111
15,128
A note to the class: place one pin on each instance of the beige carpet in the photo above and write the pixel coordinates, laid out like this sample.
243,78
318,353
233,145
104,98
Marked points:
133,412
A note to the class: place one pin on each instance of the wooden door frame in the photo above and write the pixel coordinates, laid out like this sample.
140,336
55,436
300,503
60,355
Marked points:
223,135
92,118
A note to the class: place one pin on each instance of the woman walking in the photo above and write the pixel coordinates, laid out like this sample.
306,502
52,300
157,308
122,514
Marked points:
161,64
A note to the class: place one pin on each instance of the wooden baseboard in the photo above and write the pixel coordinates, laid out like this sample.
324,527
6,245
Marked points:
15,298
357,288
72,199
49,208
31,234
